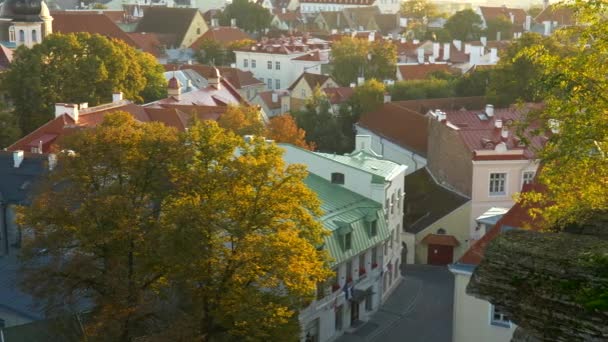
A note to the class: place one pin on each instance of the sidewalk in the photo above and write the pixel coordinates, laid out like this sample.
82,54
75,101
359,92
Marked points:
400,303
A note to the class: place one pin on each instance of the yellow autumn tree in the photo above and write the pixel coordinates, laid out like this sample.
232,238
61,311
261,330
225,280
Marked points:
242,120
283,129
198,236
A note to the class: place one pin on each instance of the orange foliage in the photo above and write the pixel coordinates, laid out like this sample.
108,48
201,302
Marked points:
283,128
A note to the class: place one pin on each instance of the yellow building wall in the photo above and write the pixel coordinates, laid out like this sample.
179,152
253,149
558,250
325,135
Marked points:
471,321
456,223
197,28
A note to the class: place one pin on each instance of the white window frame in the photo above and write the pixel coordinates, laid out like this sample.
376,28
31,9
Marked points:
245,63
253,63
277,65
269,63
523,177
501,322
504,184
277,84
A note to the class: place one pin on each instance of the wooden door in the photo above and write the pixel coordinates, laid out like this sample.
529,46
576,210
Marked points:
440,255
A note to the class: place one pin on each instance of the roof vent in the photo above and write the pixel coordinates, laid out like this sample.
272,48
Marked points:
490,110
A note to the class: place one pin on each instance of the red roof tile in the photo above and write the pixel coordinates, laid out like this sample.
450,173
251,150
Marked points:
563,15
313,80
6,57
237,77
420,71
147,42
339,95
266,97
517,217
72,22
441,240
490,13
223,35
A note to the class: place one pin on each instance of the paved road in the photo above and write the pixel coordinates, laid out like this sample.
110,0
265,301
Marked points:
420,310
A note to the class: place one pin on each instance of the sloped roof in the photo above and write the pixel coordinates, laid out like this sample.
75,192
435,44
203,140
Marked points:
313,80
312,56
209,96
266,97
368,162
563,15
517,217
73,22
339,95
223,34
6,57
340,2
147,42
237,77
168,20
14,180
441,240
490,13
427,201
420,71
343,208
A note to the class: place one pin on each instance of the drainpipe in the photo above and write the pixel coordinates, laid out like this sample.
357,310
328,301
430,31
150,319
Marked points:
4,227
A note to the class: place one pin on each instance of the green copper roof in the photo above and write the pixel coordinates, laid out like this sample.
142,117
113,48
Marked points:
367,161
343,212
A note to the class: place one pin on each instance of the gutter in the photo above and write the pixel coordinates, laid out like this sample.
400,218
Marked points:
464,269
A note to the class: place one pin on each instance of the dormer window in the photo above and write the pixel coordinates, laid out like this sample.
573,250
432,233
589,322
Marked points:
337,178
348,241
373,228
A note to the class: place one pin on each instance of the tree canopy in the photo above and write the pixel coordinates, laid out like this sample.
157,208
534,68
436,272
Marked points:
419,10
573,87
284,129
242,120
500,24
352,58
249,16
212,52
464,25
367,97
77,68
174,236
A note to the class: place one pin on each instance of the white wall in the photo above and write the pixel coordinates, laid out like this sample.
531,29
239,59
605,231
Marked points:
394,152
385,6
471,320
480,194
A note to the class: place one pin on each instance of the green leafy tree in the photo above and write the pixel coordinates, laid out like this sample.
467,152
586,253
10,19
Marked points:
211,52
9,128
419,9
78,68
516,77
239,44
572,86
421,89
174,236
323,128
352,58
367,98
249,16
534,11
500,24
472,83
464,25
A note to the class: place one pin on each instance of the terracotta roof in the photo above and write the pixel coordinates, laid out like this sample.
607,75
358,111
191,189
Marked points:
6,57
420,71
288,16
266,97
517,217
339,95
479,132
210,96
313,80
147,42
168,20
490,13
563,15
237,77
441,240
63,125
72,22
223,34
313,56
427,201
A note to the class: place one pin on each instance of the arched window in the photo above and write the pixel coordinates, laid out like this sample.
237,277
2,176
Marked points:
441,231
11,34
34,36
21,35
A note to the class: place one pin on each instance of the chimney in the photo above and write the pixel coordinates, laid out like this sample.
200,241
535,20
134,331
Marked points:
402,40
467,48
353,84
512,18
431,60
174,88
484,40
214,22
216,81
490,110
17,158
52,161
528,24
545,4
117,96
360,80
441,116
474,54
363,142
275,97
498,36
387,97
283,10
372,36
446,51
420,55
504,133
457,44
547,30
498,123
70,109
189,85
436,48
493,55
416,41
233,22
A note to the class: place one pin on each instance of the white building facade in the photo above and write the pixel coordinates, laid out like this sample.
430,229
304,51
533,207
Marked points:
316,6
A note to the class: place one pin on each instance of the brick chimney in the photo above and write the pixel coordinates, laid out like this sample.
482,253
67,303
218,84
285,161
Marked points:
216,80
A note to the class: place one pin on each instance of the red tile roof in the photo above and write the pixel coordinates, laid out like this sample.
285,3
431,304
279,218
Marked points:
404,122
313,56
313,80
339,95
266,97
223,35
441,240
341,2
563,15
72,22
237,77
420,71
517,217
210,96
147,42
490,13
6,57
